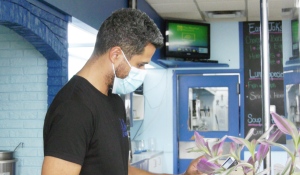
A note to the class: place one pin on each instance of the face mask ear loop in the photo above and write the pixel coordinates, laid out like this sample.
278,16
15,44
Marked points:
113,68
126,58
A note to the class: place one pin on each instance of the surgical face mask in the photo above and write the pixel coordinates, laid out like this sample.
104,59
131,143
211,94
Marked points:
129,84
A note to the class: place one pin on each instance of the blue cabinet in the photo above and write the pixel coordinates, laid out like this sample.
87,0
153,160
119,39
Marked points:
208,104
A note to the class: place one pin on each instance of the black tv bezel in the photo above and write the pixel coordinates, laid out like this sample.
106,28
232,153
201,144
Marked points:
187,56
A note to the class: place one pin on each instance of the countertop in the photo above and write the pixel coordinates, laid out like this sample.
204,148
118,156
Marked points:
144,155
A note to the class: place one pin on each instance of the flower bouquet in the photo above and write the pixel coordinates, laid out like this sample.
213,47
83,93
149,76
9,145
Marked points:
212,163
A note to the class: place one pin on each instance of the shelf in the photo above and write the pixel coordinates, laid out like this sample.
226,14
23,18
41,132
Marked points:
293,61
178,64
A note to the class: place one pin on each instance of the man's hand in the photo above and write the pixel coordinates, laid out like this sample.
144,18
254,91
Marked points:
192,169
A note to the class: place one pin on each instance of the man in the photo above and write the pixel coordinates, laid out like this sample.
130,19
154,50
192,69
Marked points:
84,129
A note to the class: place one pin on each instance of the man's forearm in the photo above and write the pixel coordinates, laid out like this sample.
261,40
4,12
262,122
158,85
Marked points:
135,171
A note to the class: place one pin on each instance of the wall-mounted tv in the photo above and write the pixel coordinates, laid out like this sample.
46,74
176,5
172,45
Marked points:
189,41
295,38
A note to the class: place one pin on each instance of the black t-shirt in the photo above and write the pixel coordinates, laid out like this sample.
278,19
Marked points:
86,127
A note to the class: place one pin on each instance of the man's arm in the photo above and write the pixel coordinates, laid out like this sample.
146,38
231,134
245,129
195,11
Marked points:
56,166
135,171
192,169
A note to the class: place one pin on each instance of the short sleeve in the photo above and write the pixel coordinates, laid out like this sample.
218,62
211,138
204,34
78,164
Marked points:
69,132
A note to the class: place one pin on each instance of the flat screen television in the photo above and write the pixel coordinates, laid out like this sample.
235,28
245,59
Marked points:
189,41
295,38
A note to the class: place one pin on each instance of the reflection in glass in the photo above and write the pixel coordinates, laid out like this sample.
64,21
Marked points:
127,102
208,109
292,103
291,61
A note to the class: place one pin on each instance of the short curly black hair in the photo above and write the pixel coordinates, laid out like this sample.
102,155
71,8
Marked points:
130,29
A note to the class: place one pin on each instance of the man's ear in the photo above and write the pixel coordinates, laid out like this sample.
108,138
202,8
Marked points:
114,54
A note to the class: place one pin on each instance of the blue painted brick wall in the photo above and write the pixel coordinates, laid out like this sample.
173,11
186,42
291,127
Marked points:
47,32
33,67
23,100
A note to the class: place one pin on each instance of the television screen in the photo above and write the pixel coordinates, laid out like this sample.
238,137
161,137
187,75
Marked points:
187,40
295,40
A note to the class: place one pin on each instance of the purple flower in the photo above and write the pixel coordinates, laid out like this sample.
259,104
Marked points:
262,152
240,141
201,143
210,166
247,169
275,136
217,148
207,167
285,126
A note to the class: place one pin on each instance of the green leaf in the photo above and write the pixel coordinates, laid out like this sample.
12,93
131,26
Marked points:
266,134
281,146
250,133
287,167
240,141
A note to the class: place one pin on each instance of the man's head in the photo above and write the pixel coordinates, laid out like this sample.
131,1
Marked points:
130,29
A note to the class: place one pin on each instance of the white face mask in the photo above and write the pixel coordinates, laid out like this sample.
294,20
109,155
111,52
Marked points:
129,84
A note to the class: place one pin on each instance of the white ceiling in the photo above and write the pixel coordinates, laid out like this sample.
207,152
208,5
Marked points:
222,10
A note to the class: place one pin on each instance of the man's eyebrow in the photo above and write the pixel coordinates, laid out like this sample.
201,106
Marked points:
144,62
